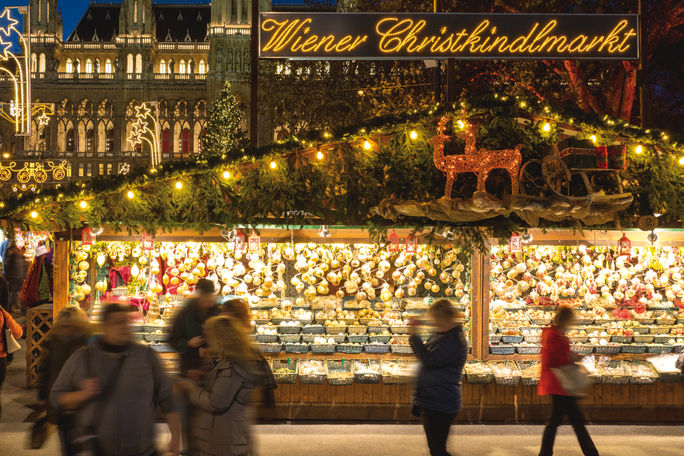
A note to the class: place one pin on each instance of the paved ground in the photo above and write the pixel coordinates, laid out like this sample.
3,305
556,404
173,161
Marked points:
378,439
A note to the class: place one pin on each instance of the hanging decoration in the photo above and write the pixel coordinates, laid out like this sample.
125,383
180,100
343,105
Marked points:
393,239
254,243
239,241
20,75
87,236
411,243
147,242
624,246
146,128
515,243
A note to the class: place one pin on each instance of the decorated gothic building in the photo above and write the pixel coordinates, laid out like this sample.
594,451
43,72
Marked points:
174,57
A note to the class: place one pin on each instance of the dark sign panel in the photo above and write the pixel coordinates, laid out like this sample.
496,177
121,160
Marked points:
442,35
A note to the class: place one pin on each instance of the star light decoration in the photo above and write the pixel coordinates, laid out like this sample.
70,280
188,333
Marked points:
124,168
146,129
19,74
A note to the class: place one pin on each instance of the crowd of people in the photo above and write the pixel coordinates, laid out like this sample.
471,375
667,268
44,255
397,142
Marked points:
104,392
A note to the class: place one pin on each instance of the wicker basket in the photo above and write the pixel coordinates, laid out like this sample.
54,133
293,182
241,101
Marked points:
289,329
399,329
335,329
531,330
528,349
658,348
349,349
510,380
315,379
325,349
678,348
393,378
659,329
310,338
662,338
607,349
533,339
376,348
378,339
356,329
357,338
313,329
377,329
528,376
582,349
340,372
621,339
494,338
636,349
584,321
290,338
368,377
647,380
511,339
620,379
641,330
296,348
577,339
275,347
304,321
669,320
643,338
267,338
284,377
278,320
502,349
401,349
479,377
646,321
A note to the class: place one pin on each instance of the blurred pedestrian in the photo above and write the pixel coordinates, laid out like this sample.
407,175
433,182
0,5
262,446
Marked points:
238,309
116,387
555,354
6,323
219,424
437,396
15,268
69,333
187,330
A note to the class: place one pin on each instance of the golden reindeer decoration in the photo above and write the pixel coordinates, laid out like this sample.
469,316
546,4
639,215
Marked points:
478,161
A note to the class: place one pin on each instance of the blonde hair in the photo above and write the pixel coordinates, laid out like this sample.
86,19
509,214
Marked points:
228,340
71,315
237,308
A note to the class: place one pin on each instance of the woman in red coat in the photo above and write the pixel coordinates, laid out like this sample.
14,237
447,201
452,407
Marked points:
556,353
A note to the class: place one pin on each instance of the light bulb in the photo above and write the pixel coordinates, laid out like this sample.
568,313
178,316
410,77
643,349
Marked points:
83,204
413,134
226,174
523,104
360,92
593,138
639,149
130,194
681,161
34,214
461,124
546,127
179,185
319,155
273,165
6,155
367,145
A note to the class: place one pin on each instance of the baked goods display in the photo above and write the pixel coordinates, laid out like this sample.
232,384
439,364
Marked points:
630,303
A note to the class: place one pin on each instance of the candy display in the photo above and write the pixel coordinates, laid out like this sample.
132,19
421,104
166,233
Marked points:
623,302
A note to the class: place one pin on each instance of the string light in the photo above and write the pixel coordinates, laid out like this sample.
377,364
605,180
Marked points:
2,204
6,155
593,138
460,124
130,194
523,104
273,165
547,127
639,149
34,214
179,185
367,145
360,92
83,204
319,155
681,161
413,134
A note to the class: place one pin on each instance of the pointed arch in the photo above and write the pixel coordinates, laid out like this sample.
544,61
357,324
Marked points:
138,63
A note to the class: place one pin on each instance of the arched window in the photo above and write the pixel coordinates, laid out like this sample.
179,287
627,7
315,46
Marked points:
201,67
138,63
181,67
109,142
34,63
135,12
166,142
40,7
108,66
90,140
89,66
162,66
186,142
169,67
41,63
70,139
69,66
129,63
77,65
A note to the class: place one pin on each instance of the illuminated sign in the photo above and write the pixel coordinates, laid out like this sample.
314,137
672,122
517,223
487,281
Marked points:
441,35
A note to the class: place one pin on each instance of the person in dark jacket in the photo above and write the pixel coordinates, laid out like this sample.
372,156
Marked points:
437,396
69,333
15,268
556,353
187,330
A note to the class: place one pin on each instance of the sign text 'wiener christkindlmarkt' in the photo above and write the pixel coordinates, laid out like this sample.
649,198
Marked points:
448,35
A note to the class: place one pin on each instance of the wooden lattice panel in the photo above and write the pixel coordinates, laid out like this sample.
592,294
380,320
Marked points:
38,323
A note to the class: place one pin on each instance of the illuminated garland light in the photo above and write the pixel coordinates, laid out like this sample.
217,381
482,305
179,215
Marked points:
638,149
141,131
367,145
681,161
593,138
34,214
83,204
179,185
273,165
413,134
20,105
226,175
320,155
130,194
546,127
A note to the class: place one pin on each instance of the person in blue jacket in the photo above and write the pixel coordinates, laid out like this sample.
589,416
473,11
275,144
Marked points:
437,396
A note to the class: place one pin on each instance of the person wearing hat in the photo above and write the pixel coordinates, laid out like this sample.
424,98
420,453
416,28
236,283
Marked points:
116,387
186,335
437,395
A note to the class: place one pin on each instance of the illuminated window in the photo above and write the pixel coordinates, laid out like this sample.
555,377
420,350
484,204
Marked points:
41,63
89,169
89,66
34,61
69,66
135,12
70,140
201,69
101,169
109,169
109,142
166,142
77,65
181,67
169,67
186,141
162,66
108,66
90,141
129,63
138,63
80,170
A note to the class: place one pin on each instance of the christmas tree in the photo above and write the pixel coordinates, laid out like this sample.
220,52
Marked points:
225,135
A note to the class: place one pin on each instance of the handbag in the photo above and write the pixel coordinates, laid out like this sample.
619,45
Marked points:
574,378
11,344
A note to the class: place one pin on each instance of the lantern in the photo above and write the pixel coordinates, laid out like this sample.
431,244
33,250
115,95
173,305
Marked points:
393,239
515,243
411,243
87,236
624,245
147,242
254,243
239,241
